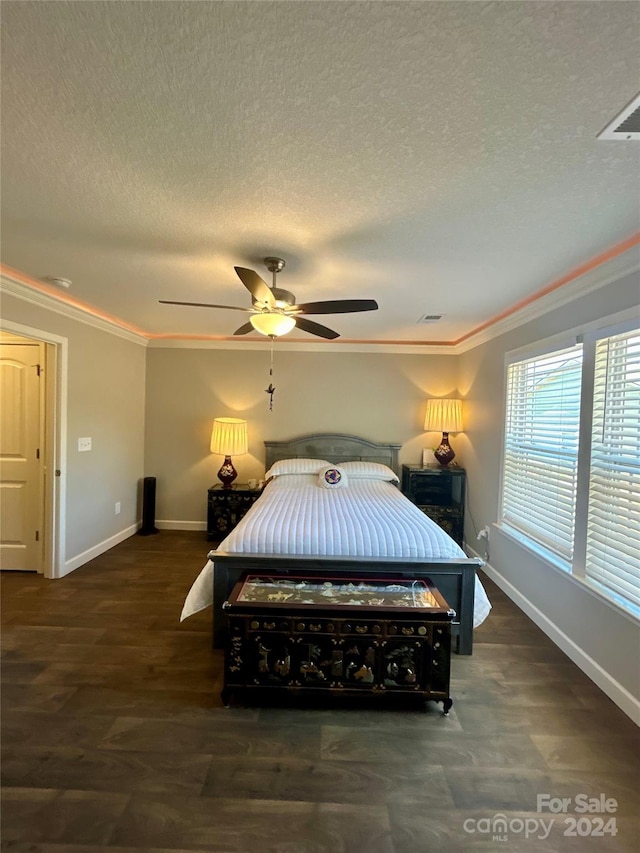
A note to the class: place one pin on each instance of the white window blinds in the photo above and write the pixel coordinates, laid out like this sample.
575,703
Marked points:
613,526
541,448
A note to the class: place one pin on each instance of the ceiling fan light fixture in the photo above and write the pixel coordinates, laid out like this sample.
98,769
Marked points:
272,324
275,310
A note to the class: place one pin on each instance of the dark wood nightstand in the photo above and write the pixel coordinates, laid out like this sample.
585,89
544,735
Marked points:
225,508
439,492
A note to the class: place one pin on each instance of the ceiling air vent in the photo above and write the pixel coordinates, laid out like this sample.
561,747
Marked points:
430,318
626,125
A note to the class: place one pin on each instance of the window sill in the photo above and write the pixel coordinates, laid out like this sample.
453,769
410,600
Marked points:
535,548
623,608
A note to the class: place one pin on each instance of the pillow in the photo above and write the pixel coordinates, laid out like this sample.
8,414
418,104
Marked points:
369,471
332,477
295,466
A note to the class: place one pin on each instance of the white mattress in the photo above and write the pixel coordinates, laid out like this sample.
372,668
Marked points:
369,518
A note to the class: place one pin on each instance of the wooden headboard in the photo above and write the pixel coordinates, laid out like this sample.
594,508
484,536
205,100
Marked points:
334,447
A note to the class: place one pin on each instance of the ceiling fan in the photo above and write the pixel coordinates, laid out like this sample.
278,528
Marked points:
275,313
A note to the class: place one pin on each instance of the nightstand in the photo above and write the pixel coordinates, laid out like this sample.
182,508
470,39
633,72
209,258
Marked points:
225,508
439,493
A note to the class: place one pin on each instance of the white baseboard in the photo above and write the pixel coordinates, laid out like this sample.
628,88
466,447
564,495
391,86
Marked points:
613,689
167,524
100,548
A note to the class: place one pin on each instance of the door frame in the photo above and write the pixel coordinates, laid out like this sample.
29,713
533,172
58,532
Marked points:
55,443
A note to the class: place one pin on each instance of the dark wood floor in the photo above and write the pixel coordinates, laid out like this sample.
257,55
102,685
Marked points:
114,737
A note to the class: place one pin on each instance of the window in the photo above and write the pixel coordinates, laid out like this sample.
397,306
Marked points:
541,448
613,525
571,466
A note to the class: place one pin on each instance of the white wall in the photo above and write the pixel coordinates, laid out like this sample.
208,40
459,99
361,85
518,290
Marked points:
381,397
604,641
106,386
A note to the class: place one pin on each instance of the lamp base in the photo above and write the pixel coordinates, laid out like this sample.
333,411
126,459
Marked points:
227,473
444,453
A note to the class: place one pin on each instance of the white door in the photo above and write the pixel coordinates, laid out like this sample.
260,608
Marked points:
21,462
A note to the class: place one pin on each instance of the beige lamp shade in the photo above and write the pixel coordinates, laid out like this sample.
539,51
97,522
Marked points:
272,324
229,436
443,415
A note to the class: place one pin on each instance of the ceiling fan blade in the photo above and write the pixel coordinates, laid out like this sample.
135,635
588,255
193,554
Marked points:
259,289
205,305
315,329
337,306
244,329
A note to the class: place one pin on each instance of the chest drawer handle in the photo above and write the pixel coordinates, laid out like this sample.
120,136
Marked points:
361,629
407,631
313,626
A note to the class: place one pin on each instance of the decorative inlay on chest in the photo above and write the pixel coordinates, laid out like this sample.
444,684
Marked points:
439,493
321,642
226,507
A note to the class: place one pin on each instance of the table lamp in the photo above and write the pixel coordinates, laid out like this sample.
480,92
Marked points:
228,437
445,416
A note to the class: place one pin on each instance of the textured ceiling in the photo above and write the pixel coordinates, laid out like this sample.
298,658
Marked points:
440,157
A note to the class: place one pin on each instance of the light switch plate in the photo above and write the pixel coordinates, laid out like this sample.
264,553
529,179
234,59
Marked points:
84,444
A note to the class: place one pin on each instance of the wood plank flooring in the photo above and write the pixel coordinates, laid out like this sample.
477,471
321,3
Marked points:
114,737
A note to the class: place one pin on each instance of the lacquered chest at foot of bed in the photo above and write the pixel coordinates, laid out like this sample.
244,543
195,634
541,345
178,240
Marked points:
455,581
333,635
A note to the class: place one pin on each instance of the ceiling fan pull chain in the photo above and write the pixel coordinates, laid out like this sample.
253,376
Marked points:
271,390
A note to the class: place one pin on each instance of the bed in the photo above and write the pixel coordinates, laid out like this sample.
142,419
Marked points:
363,522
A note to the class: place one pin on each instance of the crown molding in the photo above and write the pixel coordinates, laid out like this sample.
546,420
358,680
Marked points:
613,269
620,261
283,344
52,302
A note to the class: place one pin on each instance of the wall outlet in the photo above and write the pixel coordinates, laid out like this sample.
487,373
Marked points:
84,444
117,507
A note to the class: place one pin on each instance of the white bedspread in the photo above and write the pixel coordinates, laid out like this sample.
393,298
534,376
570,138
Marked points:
369,518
